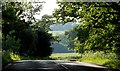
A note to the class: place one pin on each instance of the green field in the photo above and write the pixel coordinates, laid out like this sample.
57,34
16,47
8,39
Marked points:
65,56
56,33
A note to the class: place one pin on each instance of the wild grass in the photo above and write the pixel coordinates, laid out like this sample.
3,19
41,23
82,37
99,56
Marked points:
8,56
106,59
97,57
35,58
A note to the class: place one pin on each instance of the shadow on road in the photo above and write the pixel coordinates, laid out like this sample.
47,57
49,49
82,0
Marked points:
53,65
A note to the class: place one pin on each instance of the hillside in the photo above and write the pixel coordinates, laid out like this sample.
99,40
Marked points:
61,27
61,46
59,30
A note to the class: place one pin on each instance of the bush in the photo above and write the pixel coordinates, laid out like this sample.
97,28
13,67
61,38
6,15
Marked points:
8,56
10,47
32,43
10,44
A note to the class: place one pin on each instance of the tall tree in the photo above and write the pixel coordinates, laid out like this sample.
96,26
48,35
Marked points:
70,35
18,18
45,22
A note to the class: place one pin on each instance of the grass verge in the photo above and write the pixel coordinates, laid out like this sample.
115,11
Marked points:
100,58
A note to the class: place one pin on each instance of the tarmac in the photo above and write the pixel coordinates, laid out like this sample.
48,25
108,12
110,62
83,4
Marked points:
53,65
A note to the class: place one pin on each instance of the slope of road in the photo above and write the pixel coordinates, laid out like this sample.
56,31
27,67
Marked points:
53,65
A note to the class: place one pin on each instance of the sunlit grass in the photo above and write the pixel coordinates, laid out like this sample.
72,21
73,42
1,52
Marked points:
57,33
96,60
114,63
14,56
35,58
97,57
100,58
65,56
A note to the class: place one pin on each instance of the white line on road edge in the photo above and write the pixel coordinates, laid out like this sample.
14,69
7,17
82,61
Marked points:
90,64
63,66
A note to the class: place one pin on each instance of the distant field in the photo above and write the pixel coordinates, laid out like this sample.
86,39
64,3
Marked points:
56,33
66,56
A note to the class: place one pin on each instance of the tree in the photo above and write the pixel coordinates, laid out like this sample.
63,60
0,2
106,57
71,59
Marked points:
99,31
70,35
43,43
45,22
18,23
11,44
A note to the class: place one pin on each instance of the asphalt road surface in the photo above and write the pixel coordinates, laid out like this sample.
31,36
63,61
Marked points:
53,65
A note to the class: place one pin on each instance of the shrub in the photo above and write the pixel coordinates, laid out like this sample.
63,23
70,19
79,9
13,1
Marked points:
10,44
8,56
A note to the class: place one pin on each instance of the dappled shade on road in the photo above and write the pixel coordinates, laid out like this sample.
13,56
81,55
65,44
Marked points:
52,65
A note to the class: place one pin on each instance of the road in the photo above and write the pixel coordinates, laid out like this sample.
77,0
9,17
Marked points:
52,65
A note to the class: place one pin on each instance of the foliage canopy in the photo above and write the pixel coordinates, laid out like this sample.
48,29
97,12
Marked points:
100,28
18,26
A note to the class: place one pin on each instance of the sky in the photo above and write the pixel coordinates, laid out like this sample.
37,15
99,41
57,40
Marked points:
48,8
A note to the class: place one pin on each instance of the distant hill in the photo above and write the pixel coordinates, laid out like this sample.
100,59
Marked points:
59,30
60,27
59,48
